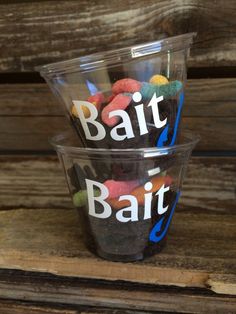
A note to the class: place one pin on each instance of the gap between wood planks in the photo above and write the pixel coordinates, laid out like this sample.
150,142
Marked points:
193,73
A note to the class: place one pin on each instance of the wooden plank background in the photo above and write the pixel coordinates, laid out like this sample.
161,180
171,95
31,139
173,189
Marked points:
209,184
201,250
34,191
204,98
206,211
37,32
184,262
30,114
102,297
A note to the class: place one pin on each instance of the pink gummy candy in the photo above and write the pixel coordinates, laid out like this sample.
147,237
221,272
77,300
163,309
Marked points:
168,180
117,188
97,99
110,98
126,85
119,102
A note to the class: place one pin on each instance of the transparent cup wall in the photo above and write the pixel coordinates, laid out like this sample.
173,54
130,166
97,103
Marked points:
111,98
125,199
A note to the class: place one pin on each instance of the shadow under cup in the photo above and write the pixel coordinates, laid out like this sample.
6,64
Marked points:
125,198
112,97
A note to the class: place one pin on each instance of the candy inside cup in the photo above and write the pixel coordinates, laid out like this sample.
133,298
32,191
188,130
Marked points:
111,97
125,197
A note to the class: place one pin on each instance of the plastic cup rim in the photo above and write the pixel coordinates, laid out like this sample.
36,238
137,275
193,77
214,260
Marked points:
100,59
193,139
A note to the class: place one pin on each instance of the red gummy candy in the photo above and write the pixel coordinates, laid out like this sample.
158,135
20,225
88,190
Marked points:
96,99
126,85
110,98
139,192
117,188
119,102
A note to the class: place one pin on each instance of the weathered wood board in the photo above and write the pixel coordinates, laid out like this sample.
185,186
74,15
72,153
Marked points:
204,98
39,32
27,133
21,307
190,258
38,182
45,293
44,265
29,115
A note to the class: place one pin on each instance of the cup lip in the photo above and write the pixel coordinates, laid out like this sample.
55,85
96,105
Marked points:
111,57
55,141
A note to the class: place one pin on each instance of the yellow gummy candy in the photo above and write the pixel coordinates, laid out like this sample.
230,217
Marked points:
158,79
74,111
85,109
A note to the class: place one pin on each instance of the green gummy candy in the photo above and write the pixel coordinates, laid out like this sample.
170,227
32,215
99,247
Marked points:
147,90
80,198
171,89
163,173
166,90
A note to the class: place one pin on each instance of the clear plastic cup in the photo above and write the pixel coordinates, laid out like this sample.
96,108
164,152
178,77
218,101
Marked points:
125,198
112,98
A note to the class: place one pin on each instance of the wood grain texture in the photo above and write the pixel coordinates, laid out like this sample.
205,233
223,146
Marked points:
39,32
10,307
27,133
210,184
125,298
210,98
204,98
28,100
43,186
190,258
36,182
21,307
217,134
217,283
30,115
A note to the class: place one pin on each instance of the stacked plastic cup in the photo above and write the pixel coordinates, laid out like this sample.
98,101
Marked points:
125,161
